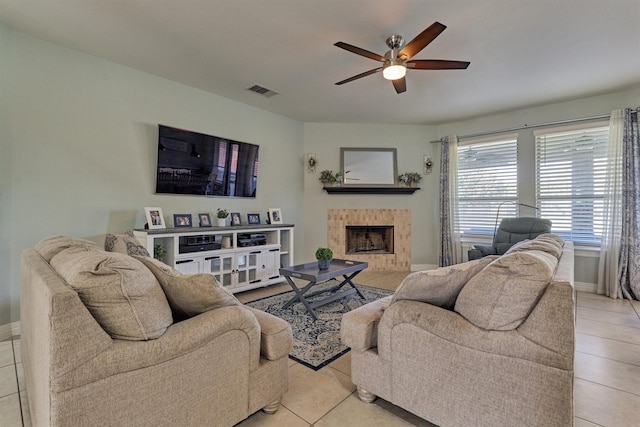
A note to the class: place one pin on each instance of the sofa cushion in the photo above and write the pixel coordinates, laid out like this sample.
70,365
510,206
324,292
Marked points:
552,238
544,242
125,244
52,245
122,295
501,296
440,286
189,294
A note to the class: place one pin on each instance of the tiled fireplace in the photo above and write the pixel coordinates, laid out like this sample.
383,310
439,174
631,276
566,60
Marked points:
381,237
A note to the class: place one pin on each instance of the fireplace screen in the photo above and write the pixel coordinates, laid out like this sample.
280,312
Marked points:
370,239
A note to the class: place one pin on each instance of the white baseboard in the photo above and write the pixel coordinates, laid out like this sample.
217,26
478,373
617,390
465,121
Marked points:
586,287
9,330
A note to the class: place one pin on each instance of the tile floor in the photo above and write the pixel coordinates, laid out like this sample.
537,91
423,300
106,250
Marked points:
606,391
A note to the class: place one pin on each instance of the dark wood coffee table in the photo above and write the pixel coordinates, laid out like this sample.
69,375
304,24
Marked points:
310,272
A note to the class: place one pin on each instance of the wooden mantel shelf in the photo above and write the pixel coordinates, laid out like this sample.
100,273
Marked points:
370,190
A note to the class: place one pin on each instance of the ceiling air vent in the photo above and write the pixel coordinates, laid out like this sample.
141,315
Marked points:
268,93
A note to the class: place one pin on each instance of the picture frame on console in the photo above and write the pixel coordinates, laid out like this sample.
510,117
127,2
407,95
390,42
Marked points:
205,220
235,218
181,220
253,218
155,219
275,216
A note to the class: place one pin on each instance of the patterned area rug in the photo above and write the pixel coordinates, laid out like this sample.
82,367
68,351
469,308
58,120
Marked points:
317,343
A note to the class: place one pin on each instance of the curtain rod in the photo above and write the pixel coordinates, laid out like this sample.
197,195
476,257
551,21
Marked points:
560,122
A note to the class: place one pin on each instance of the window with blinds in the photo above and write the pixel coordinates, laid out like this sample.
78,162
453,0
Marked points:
487,177
570,176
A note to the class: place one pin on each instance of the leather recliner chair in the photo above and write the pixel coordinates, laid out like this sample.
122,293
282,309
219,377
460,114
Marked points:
510,232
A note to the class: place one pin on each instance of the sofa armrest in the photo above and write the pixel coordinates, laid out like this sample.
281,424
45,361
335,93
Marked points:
422,327
551,324
359,328
179,339
276,337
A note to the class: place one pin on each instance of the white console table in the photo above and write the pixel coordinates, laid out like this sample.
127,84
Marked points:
237,267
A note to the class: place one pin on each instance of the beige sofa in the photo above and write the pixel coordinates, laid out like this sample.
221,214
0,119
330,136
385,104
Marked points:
485,343
214,368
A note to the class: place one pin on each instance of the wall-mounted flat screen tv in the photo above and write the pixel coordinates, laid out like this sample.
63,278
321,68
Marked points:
205,165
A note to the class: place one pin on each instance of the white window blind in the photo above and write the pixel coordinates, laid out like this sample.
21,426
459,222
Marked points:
487,177
570,175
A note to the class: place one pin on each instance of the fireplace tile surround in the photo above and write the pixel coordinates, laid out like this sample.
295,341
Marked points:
400,219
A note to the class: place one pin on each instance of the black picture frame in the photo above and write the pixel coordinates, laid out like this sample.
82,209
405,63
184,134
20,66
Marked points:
235,218
205,220
253,218
182,220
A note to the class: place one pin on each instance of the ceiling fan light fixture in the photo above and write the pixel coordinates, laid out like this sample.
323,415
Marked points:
395,70
395,61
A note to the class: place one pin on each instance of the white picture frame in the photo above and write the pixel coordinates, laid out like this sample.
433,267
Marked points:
275,216
155,218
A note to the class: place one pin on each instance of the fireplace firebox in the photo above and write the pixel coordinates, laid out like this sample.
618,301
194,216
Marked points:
377,239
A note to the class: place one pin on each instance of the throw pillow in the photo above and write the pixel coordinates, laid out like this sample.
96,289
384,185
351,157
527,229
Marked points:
122,295
441,286
190,294
544,242
536,245
125,244
552,238
52,245
502,296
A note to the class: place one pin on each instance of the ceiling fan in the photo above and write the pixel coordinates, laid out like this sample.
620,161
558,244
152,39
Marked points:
398,59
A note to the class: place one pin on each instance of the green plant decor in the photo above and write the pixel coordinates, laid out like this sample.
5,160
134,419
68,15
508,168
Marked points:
327,177
222,213
324,257
159,251
409,178
324,254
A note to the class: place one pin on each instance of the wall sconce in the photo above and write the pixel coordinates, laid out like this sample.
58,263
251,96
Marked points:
311,163
428,164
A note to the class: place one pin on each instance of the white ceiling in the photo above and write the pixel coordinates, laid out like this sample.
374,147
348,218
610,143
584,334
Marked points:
522,53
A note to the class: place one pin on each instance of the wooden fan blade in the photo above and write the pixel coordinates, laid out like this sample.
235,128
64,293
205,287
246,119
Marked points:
421,41
436,64
359,76
360,51
400,85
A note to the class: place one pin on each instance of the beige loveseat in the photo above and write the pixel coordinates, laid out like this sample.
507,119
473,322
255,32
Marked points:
489,342
84,366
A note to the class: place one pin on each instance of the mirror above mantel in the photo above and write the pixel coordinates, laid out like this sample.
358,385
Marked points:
369,171
369,167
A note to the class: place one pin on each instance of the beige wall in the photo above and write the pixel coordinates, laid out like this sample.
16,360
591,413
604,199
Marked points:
5,184
586,262
79,141
77,154
412,143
